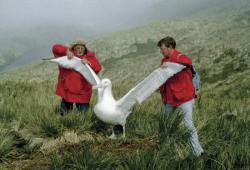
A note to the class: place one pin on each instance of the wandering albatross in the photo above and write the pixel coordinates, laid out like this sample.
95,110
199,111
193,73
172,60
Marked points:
113,111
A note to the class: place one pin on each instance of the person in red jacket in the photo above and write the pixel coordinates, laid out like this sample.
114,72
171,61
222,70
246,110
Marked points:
71,85
179,91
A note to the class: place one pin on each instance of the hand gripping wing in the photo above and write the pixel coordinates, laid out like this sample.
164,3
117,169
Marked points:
149,85
75,63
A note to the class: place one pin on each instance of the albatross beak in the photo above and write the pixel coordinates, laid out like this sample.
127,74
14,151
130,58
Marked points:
97,86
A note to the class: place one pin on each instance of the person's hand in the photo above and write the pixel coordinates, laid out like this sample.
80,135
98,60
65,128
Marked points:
197,93
164,65
69,54
84,61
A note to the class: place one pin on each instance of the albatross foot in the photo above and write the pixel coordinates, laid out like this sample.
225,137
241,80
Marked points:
113,136
123,136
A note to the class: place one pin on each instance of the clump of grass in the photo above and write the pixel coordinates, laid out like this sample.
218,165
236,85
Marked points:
7,145
56,161
173,134
6,115
141,160
50,127
78,121
83,157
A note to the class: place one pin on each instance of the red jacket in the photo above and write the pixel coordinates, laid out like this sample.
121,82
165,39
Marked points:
179,88
71,85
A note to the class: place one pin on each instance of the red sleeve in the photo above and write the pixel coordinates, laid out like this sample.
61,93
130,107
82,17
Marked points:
183,59
59,50
94,63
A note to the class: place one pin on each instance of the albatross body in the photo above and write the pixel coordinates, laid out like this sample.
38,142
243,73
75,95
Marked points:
113,111
107,108
108,114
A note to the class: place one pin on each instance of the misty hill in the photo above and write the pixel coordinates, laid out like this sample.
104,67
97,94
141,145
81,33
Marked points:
33,134
212,42
27,32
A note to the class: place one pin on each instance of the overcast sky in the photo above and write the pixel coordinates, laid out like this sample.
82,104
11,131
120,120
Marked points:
22,13
96,14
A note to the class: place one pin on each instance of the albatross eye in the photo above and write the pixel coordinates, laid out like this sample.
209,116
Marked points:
105,82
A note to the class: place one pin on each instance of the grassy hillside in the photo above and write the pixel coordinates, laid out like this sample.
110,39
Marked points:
33,134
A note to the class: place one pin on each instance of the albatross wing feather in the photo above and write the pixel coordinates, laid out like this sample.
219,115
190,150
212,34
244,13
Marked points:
75,64
148,86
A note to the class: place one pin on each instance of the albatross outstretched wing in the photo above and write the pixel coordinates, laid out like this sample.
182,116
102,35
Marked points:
75,63
149,85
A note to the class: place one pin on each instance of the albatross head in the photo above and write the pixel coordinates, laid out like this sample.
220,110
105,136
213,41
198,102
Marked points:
103,84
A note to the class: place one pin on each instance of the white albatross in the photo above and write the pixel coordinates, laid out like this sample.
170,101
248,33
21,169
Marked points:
113,111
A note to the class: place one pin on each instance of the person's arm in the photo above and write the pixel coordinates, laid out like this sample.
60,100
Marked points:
183,59
59,50
93,62
163,65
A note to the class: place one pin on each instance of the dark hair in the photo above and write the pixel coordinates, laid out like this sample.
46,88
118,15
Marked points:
85,51
167,41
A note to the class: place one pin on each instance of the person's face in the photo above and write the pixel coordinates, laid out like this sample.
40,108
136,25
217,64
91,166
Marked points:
79,49
166,51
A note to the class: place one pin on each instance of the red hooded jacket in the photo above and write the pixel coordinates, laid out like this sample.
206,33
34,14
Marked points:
71,85
179,88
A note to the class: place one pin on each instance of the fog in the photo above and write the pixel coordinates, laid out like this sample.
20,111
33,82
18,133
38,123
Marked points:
34,25
100,16
104,14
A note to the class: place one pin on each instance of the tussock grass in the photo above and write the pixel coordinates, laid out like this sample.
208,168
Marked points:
7,143
152,140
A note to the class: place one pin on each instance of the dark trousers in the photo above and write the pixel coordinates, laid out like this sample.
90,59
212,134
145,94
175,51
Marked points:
68,106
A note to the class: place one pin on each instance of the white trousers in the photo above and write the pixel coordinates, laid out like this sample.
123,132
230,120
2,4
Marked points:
187,109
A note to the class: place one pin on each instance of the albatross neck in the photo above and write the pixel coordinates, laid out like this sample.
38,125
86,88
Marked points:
107,93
